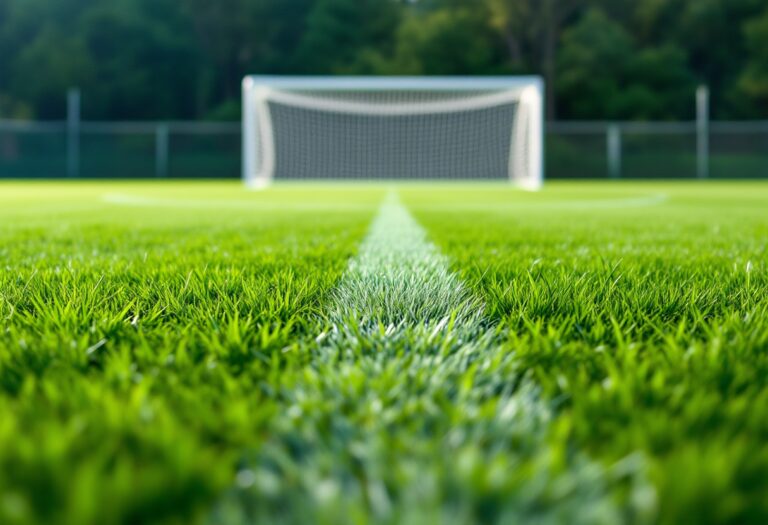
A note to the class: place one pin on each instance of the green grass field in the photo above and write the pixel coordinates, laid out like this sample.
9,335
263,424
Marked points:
196,353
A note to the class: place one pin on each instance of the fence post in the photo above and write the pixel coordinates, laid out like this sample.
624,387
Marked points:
614,151
73,133
702,132
161,150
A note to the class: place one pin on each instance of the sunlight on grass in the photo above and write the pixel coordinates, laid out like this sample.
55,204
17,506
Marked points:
161,357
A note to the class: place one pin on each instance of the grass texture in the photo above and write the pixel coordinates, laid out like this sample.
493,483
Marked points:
194,353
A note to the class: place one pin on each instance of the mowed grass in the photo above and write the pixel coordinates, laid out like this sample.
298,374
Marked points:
138,342
159,363
647,324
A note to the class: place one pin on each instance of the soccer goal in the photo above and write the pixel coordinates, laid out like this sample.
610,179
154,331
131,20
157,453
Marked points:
385,128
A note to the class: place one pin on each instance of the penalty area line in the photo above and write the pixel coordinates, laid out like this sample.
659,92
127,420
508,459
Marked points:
124,199
571,204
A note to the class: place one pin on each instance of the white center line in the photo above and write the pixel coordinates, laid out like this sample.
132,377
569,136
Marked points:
412,381
401,280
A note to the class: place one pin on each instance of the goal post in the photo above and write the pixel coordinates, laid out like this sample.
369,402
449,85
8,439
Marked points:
385,128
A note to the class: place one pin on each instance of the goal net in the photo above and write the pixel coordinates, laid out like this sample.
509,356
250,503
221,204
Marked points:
369,128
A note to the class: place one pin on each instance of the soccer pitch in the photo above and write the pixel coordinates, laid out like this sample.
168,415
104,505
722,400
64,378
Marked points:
414,353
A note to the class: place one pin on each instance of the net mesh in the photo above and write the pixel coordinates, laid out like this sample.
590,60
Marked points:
391,134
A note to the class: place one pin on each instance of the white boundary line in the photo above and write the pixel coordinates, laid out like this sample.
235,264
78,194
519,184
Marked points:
402,280
399,309
124,199
399,295
586,204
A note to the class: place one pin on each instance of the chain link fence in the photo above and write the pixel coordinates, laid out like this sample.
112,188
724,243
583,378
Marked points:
657,150
122,150
188,150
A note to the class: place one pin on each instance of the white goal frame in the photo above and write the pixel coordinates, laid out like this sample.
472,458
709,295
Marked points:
525,170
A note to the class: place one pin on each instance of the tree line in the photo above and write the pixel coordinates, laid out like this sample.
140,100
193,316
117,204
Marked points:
184,59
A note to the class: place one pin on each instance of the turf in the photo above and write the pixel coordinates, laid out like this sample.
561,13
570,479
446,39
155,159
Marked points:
163,357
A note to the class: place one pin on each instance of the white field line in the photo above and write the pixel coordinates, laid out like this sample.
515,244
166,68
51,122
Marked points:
566,204
398,309
123,199
399,295
401,280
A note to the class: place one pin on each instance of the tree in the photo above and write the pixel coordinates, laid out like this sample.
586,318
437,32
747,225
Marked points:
591,66
751,94
241,37
659,86
66,62
712,33
144,60
532,29
551,16
131,58
511,19
186,58
39,58
444,42
603,75
340,34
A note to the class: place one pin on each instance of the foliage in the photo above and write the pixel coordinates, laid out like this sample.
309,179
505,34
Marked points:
753,83
185,58
444,42
607,77
339,31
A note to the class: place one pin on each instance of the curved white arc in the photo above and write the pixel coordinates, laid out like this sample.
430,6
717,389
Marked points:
140,201
394,110
655,199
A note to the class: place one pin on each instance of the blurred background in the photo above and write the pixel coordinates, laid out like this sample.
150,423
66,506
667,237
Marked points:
151,88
